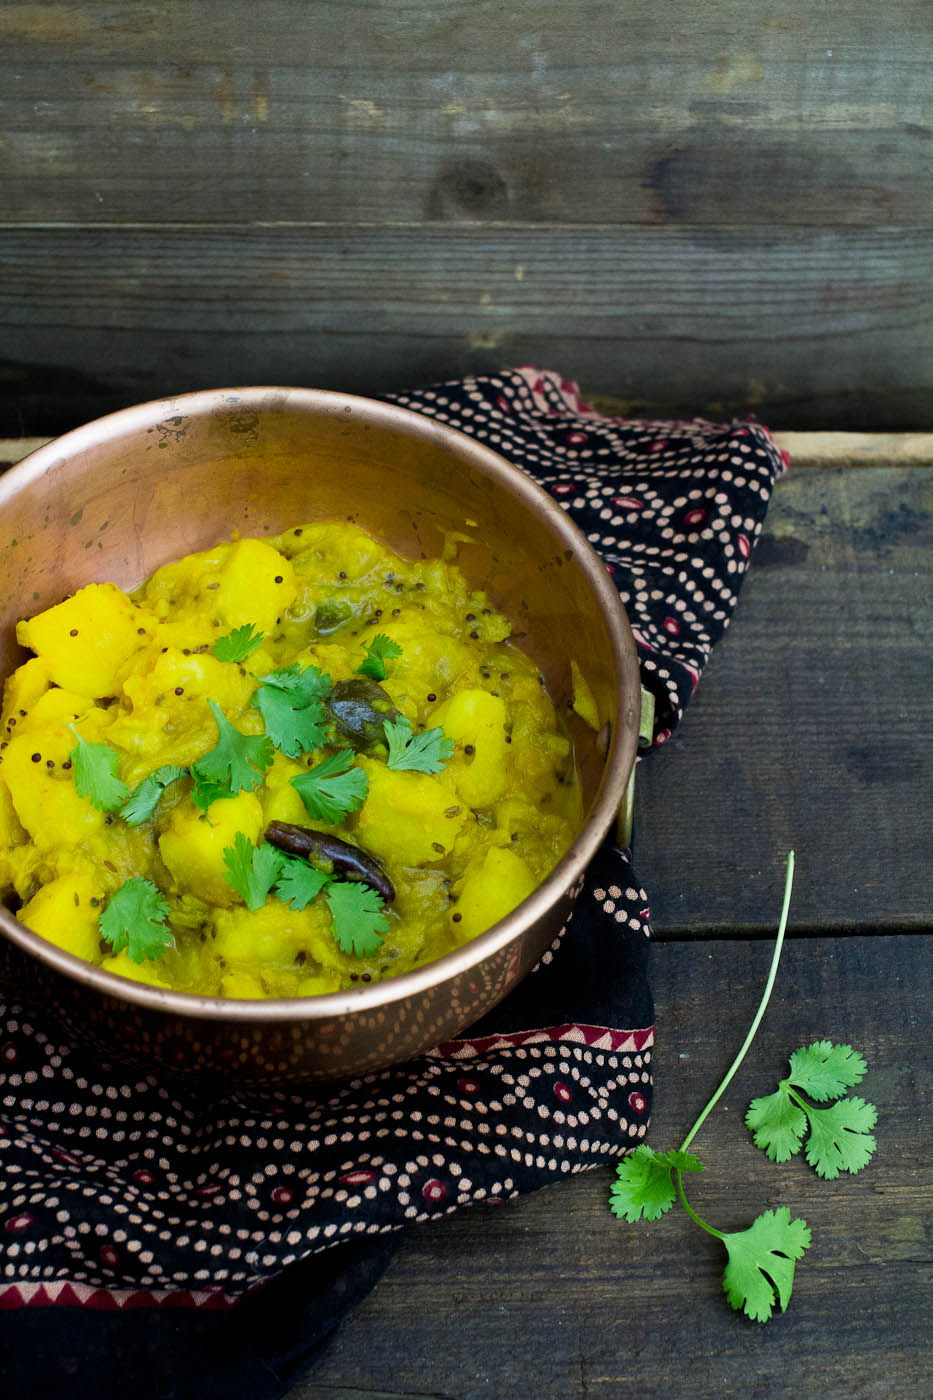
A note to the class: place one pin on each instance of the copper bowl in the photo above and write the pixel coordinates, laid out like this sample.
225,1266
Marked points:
119,497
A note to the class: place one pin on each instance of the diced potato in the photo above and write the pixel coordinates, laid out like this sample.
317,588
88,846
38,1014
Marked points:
270,937
86,640
489,892
23,688
11,829
56,707
175,675
412,818
280,801
245,986
257,584
193,844
476,720
147,972
63,913
584,701
46,800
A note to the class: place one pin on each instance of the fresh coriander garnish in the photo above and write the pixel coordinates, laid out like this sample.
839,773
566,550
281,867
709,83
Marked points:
333,787
136,919
204,790
291,704
299,883
380,650
761,1259
426,752
840,1137
144,798
359,917
251,870
238,644
96,773
238,761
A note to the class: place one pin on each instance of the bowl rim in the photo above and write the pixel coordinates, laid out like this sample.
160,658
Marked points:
620,755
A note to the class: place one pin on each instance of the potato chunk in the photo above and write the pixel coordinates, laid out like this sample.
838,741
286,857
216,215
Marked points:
489,892
86,640
63,913
193,844
45,798
476,721
257,584
412,818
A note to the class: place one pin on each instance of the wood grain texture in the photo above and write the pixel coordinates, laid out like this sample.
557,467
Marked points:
805,327
810,727
551,1297
468,110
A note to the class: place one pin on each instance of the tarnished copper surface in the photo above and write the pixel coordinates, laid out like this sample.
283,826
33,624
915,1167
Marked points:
123,495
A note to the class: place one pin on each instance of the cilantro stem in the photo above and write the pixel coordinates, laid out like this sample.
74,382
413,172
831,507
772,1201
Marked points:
710,1229
753,1029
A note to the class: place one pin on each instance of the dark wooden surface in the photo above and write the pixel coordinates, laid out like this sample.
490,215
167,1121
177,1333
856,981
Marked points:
714,208
552,1297
810,728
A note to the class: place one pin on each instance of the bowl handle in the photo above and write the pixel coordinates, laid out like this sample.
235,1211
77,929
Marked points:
625,823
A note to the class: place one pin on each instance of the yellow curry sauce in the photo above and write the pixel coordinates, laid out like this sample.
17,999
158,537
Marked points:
134,682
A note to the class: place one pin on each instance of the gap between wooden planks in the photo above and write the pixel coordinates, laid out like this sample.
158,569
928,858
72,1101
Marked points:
804,449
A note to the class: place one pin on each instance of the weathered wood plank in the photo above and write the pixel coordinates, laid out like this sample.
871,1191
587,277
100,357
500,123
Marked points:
807,328
810,728
551,1297
805,449
386,111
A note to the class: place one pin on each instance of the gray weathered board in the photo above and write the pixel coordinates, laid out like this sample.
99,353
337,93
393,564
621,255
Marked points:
551,1298
719,208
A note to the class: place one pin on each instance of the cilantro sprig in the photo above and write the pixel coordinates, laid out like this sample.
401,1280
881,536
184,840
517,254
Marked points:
759,1274
359,920
144,798
236,763
357,911
380,650
96,773
251,870
332,788
426,752
840,1137
291,702
136,918
238,644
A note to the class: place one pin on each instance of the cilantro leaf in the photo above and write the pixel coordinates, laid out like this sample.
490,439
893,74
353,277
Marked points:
291,704
144,798
237,762
298,882
777,1125
380,650
238,644
426,752
840,1137
251,870
358,917
95,772
644,1187
204,790
760,1270
135,919
824,1070
333,787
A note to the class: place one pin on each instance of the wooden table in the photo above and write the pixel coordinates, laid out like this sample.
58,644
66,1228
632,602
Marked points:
809,730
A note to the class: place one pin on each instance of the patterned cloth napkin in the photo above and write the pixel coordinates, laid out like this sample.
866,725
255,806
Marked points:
181,1244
